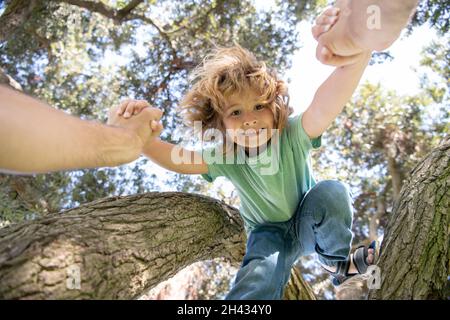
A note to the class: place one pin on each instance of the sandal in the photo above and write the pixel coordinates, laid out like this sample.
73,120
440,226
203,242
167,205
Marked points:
359,260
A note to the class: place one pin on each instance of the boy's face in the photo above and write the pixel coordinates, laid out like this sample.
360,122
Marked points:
248,122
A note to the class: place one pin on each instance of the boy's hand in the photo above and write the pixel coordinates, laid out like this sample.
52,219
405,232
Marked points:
141,124
324,22
131,107
157,128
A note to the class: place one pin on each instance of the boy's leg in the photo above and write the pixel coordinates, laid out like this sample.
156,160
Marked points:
323,222
267,264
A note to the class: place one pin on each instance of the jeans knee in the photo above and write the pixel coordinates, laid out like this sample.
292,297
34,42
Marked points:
337,198
334,189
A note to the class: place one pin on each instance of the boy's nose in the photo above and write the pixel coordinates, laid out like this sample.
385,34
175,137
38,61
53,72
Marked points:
249,123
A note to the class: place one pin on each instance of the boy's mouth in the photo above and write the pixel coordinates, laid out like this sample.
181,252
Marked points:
254,132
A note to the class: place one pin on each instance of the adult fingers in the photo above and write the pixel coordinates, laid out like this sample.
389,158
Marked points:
327,14
317,30
326,20
156,127
325,56
156,113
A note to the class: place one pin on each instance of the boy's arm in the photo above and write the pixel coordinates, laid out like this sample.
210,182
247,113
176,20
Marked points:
171,157
36,138
332,96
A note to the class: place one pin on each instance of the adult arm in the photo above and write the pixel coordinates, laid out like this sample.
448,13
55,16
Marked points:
367,25
35,138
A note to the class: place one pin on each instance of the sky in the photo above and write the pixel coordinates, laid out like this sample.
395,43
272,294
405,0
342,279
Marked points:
307,73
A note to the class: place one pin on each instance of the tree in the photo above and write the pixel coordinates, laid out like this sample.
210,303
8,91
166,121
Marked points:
415,260
57,50
115,248
434,12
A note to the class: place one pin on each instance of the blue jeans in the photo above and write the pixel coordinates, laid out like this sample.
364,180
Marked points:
322,224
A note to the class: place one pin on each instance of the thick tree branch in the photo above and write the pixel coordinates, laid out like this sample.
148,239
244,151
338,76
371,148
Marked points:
105,10
117,248
121,246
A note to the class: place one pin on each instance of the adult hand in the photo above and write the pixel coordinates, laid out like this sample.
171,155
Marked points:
325,24
138,127
367,25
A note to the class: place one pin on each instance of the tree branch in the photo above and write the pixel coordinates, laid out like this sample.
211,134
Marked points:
129,7
16,14
122,15
120,246
105,10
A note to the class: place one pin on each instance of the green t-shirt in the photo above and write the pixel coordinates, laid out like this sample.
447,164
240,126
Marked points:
270,185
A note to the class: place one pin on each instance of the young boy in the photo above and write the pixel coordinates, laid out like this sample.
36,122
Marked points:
286,214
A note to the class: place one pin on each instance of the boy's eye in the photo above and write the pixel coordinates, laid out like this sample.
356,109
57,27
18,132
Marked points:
235,113
259,107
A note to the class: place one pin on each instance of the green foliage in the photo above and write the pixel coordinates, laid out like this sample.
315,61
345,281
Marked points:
435,12
83,62
12,208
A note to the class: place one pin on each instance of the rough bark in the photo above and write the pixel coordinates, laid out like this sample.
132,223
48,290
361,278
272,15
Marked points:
298,288
120,247
415,257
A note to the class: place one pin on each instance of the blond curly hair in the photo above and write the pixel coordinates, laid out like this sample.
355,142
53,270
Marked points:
226,71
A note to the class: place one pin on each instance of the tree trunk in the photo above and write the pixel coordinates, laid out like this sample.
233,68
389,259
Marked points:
396,177
297,288
116,248
415,258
